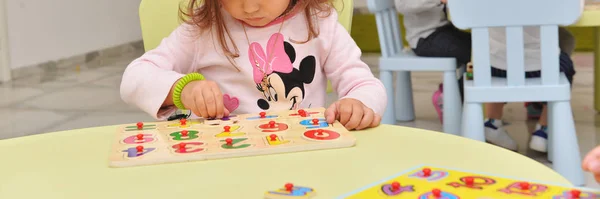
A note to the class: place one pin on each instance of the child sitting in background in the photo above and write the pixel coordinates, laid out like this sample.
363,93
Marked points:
494,131
289,49
430,34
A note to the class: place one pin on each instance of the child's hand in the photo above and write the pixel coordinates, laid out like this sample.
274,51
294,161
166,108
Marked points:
353,114
591,163
204,98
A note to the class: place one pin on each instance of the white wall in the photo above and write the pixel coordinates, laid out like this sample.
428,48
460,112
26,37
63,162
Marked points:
44,30
5,74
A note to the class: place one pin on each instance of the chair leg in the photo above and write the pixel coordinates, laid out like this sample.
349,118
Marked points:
472,124
566,156
452,105
550,130
405,110
389,117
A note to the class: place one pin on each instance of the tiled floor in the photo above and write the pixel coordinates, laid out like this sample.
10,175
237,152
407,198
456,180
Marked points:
87,96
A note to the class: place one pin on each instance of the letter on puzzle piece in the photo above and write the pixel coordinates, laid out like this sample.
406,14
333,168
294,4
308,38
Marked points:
297,192
387,189
534,189
435,175
477,183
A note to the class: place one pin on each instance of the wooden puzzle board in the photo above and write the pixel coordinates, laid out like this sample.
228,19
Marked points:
452,184
248,135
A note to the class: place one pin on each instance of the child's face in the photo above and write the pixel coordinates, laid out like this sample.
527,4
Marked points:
255,12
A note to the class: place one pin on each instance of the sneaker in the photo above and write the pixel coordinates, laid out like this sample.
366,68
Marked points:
438,102
539,139
495,134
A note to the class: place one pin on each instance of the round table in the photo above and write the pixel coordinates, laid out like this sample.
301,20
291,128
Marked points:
74,165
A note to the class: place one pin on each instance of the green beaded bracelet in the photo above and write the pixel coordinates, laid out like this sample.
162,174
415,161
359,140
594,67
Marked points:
179,87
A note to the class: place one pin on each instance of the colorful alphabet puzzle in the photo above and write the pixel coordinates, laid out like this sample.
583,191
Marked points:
233,136
426,182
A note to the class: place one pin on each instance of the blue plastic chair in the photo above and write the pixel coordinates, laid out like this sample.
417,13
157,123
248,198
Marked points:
394,59
553,87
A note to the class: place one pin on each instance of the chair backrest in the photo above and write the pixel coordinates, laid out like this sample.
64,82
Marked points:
158,18
480,15
388,26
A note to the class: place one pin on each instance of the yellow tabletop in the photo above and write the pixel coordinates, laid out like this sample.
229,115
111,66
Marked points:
74,165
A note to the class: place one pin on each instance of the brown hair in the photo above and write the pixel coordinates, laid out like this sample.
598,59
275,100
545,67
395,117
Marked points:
206,15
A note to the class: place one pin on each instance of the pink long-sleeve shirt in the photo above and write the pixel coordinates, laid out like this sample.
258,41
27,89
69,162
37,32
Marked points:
297,72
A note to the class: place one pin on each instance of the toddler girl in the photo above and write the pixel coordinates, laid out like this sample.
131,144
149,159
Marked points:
249,56
430,34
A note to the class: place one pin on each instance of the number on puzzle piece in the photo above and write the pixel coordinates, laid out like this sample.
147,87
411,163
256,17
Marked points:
133,152
321,135
184,135
262,115
140,127
235,143
231,131
272,127
188,147
311,124
137,139
273,140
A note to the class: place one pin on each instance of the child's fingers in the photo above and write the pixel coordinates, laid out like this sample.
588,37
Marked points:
226,112
356,116
193,107
210,102
376,121
331,113
200,104
367,119
593,155
220,107
345,112
594,167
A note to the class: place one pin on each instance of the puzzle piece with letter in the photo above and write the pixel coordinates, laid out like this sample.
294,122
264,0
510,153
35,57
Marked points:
290,191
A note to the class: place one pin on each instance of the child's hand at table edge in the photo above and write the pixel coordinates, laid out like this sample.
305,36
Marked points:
204,98
591,163
353,114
